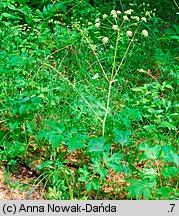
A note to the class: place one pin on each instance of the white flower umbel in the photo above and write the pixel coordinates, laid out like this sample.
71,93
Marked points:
97,25
114,15
129,33
104,16
97,20
115,27
118,12
136,18
113,12
144,19
95,76
145,33
105,40
128,12
125,18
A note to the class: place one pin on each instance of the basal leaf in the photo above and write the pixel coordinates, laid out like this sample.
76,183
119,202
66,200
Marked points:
140,189
98,168
96,144
122,137
170,171
149,173
85,174
94,184
56,139
76,142
169,154
114,161
151,152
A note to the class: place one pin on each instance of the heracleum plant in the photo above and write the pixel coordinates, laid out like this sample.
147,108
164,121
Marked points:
113,29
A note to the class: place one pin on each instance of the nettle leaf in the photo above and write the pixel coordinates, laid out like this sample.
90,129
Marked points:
170,154
151,152
94,184
76,142
114,161
140,189
96,144
85,174
122,137
170,171
98,168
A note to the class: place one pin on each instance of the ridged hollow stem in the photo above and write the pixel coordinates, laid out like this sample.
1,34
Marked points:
115,55
107,108
110,84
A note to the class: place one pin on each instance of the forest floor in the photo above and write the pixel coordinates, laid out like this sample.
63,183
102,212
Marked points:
17,186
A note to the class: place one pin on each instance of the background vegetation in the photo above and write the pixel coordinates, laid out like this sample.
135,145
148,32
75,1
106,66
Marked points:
89,96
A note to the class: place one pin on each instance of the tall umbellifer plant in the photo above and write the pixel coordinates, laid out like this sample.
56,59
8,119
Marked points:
117,27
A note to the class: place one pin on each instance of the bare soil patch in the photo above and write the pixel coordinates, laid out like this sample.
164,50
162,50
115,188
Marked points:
17,186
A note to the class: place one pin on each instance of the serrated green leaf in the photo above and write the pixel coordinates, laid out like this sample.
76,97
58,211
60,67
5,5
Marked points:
76,142
165,192
55,139
114,161
148,173
96,144
44,134
57,126
46,164
98,168
122,137
12,162
94,184
101,171
169,154
170,171
140,189
151,152
85,174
